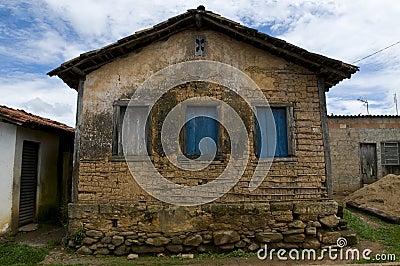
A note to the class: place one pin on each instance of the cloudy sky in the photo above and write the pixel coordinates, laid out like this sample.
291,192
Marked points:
37,36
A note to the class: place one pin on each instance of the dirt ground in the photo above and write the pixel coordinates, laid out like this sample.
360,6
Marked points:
43,236
59,256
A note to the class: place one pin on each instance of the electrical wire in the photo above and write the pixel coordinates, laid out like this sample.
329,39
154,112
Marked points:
365,57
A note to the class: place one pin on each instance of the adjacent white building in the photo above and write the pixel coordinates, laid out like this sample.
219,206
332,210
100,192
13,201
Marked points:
35,167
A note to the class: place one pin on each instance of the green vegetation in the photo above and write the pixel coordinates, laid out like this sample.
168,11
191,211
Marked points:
239,253
63,216
148,260
391,239
23,255
66,264
363,229
78,236
387,234
18,254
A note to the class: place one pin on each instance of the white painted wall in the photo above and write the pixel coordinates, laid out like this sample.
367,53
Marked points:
47,197
7,153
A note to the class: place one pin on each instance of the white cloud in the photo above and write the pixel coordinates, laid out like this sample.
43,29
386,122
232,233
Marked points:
29,91
37,105
352,31
48,32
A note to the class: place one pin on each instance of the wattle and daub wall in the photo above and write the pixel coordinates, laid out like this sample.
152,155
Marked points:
289,209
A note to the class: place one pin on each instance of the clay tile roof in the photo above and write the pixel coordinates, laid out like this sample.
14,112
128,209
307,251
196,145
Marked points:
20,117
332,70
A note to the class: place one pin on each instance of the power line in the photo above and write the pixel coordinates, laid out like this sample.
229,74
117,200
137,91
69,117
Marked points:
376,52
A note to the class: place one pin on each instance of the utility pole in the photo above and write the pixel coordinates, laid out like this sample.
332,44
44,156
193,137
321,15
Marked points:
395,102
365,103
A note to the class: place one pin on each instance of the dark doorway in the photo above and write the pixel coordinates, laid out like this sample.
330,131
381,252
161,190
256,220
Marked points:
29,172
368,163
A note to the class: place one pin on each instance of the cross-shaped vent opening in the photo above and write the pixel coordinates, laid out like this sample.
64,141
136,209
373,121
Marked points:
200,45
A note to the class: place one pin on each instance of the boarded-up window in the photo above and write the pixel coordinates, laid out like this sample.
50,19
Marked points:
280,119
390,153
137,130
201,129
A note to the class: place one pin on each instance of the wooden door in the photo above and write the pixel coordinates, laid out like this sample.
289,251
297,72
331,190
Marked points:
368,163
29,171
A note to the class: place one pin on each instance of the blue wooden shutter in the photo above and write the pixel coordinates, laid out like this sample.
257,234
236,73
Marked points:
200,125
281,149
265,133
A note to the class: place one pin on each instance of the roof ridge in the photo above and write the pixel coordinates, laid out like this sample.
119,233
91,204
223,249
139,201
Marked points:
73,70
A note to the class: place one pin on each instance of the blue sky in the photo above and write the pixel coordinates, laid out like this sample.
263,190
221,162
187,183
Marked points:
37,36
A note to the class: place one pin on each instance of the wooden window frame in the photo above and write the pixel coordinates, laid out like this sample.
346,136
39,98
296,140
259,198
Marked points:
117,151
384,159
290,124
202,103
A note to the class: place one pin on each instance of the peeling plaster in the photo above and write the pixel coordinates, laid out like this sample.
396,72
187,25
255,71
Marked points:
5,228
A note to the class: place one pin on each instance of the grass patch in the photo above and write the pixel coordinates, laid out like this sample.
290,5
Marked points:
387,234
391,239
57,264
363,229
18,254
145,260
239,253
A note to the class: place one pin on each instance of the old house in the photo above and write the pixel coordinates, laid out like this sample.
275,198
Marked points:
36,167
237,74
363,150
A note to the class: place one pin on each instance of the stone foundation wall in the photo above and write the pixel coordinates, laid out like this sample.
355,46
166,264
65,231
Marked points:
155,228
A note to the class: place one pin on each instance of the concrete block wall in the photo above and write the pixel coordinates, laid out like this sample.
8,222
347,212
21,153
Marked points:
346,133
